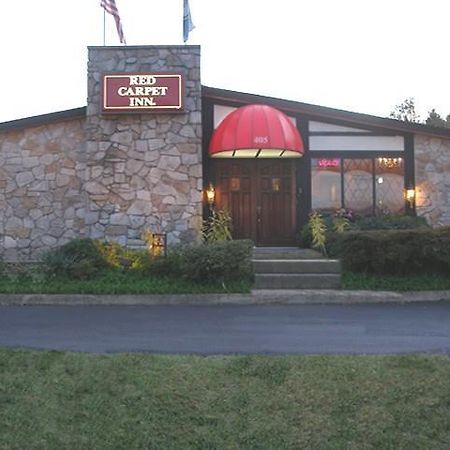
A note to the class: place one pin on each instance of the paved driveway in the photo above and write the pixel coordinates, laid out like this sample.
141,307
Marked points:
303,329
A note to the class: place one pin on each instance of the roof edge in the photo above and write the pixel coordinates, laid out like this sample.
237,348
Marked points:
43,119
324,112
242,98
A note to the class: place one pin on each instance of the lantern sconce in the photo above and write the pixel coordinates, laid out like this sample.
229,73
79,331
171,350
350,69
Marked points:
210,194
410,196
159,244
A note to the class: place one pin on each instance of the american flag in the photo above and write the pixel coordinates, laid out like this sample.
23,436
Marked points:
111,8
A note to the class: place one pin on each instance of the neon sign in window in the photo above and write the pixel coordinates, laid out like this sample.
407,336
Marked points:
325,162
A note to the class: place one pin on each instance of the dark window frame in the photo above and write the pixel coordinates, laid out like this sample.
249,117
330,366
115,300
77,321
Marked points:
373,156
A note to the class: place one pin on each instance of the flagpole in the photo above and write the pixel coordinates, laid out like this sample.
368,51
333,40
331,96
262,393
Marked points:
188,26
109,6
104,28
184,11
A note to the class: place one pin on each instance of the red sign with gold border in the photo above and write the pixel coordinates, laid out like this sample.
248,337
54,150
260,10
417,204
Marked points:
142,92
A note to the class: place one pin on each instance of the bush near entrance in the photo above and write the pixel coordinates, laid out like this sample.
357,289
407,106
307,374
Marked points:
386,251
393,252
349,222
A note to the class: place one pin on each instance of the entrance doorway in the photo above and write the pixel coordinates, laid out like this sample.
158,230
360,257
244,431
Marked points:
260,195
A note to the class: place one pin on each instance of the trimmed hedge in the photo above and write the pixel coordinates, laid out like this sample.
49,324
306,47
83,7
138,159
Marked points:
393,252
218,261
385,222
209,262
388,222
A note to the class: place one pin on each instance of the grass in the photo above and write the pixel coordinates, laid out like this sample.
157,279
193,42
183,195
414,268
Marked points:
395,283
116,282
57,400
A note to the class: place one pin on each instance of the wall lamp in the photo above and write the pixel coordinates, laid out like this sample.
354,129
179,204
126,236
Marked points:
410,196
210,194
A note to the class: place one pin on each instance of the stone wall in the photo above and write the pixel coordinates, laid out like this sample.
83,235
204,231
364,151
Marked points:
144,171
432,173
103,176
41,200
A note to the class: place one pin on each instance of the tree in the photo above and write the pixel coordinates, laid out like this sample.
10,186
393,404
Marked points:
435,120
406,111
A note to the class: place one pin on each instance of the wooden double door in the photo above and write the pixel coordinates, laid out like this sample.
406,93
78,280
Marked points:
261,198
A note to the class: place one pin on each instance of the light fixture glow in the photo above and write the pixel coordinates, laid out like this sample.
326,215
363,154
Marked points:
210,194
390,163
410,196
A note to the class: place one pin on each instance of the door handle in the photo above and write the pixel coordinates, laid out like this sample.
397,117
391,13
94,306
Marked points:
258,214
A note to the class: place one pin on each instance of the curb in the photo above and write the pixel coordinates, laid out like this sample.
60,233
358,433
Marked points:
256,297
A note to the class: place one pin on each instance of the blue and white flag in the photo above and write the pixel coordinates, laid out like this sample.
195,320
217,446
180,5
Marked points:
188,26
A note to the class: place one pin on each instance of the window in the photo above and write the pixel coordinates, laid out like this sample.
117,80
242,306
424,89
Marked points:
326,183
389,185
365,185
358,185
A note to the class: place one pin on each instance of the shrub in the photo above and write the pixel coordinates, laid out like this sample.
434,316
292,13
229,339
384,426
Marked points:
169,265
388,222
219,261
112,253
393,252
340,222
214,262
79,258
218,226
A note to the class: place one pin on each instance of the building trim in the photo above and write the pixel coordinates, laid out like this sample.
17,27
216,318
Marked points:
315,112
43,119
348,133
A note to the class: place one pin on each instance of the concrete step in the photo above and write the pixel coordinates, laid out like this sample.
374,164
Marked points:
297,266
285,253
297,281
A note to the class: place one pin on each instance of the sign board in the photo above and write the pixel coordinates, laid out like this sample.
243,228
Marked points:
142,92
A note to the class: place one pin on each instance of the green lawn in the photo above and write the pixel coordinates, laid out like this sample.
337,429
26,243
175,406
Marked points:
56,400
116,282
395,283
120,282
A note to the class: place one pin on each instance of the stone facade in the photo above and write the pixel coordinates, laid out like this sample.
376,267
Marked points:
107,177
144,171
432,173
41,195
82,173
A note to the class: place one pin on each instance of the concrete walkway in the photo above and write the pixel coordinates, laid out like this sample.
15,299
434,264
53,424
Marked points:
258,297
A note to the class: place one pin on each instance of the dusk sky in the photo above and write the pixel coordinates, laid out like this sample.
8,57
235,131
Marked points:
362,56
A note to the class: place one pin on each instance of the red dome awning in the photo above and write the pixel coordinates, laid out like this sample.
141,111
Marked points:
256,131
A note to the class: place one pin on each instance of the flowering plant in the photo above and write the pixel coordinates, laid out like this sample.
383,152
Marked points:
346,214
